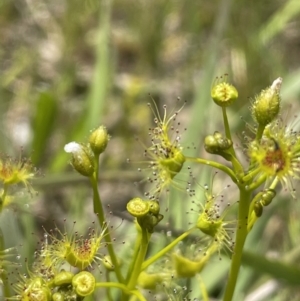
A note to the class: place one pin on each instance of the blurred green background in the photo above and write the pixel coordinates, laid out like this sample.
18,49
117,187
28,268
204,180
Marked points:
68,66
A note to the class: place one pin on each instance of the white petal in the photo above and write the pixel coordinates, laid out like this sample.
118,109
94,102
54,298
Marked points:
73,147
276,84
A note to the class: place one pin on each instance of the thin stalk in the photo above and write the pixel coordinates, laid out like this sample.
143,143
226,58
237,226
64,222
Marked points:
167,248
257,183
217,165
98,209
235,163
250,176
245,199
3,274
260,131
139,259
138,243
226,124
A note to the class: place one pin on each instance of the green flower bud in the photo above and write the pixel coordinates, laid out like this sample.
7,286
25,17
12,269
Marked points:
84,283
149,281
154,207
267,104
186,268
223,94
216,143
137,207
149,221
82,158
63,278
58,297
98,140
267,197
258,209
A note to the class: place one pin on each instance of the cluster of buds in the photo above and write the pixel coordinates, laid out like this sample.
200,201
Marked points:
50,280
63,286
146,213
84,155
218,144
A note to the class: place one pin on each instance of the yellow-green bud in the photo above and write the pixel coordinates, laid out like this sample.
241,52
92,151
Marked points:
149,221
186,268
82,158
267,197
58,297
98,140
267,104
223,94
84,283
154,207
216,143
138,207
149,281
258,209
62,278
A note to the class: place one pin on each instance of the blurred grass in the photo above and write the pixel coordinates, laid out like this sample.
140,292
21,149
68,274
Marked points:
68,66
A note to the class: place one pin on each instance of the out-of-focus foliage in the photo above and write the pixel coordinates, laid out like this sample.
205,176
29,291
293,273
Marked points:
68,66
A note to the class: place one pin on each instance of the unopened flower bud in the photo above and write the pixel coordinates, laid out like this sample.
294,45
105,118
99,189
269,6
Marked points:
149,221
258,209
98,140
82,158
58,297
216,143
267,197
267,104
222,93
84,283
62,278
154,207
138,207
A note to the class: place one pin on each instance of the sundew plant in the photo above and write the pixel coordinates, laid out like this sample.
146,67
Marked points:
69,266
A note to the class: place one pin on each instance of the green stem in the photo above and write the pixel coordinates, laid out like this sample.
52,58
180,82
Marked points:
139,259
260,131
3,274
217,165
108,290
226,123
167,248
245,199
238,168
250,176
98,209
138,243
123,287
257,183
